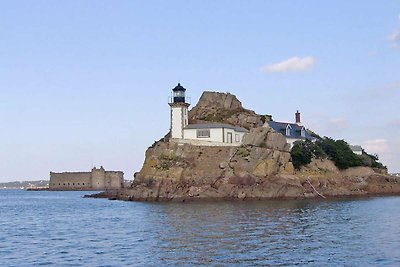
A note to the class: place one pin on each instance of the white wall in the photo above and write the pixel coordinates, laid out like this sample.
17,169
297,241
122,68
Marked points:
216,135
237,137
203,143
179,119
241,135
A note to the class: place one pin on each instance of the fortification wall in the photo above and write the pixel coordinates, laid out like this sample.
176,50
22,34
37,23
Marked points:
70,181
114,180
98,178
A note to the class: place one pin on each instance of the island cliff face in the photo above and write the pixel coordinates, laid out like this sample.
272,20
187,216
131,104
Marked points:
175,171
260,168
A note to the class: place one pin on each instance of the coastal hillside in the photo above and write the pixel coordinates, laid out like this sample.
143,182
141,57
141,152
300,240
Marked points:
262,167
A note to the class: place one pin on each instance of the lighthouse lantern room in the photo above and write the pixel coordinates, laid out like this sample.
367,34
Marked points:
178,94
179,112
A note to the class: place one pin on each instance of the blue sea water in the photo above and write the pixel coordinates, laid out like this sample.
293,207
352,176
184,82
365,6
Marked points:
64,229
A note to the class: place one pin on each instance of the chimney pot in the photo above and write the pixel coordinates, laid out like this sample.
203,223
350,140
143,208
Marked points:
298,120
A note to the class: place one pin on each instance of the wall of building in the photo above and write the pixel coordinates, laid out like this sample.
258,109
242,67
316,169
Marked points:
176,122
97,179
179,119
237,137
215,135
114,180
70,181
220,135
202,142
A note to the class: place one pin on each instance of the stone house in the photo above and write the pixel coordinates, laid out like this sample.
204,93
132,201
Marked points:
292,131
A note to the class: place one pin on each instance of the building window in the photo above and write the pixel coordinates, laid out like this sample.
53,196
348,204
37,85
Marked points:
303,132
237,138
204,133
288,130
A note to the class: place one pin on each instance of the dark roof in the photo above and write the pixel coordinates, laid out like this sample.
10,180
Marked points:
216,125
295,132
179,87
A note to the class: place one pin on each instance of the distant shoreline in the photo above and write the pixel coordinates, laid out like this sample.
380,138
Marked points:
23,185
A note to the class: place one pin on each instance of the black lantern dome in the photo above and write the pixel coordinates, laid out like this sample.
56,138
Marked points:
179,94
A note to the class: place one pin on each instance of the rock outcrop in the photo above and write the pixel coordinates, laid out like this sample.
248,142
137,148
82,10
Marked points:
178,171
187,173
224,108
260,168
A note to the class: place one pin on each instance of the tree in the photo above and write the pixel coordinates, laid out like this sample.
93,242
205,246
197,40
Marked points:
340,153
303,152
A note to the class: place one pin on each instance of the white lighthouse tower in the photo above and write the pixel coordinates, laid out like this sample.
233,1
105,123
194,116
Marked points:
179,111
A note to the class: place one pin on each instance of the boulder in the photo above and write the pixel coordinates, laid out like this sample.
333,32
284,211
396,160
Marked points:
265,136
218,100
215,107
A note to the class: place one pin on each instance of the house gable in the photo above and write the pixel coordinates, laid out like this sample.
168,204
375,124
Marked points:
290,130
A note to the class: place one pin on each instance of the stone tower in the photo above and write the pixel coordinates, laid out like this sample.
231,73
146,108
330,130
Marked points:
98,178
179,111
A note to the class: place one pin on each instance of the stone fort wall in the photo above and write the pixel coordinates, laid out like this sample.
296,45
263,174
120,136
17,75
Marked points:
97,179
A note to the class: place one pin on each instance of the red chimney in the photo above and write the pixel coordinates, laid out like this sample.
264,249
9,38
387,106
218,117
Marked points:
297,114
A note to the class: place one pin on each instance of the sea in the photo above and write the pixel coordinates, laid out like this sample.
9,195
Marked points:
65,229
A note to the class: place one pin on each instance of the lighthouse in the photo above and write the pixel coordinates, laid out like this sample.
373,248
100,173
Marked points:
179,111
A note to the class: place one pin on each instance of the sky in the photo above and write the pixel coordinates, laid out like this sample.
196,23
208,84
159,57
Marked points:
87,83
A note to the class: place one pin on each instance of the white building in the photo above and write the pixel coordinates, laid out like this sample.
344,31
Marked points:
217,134
223,133
356,149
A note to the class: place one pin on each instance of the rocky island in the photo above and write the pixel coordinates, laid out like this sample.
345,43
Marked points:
261,167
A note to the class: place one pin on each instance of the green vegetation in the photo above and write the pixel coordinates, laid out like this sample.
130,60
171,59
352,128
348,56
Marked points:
263,119
340,153
304,152
220,115
214,118
336,150
316,136
243,152
168,161
371,161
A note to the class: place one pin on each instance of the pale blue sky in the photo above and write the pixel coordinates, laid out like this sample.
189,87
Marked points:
87,82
